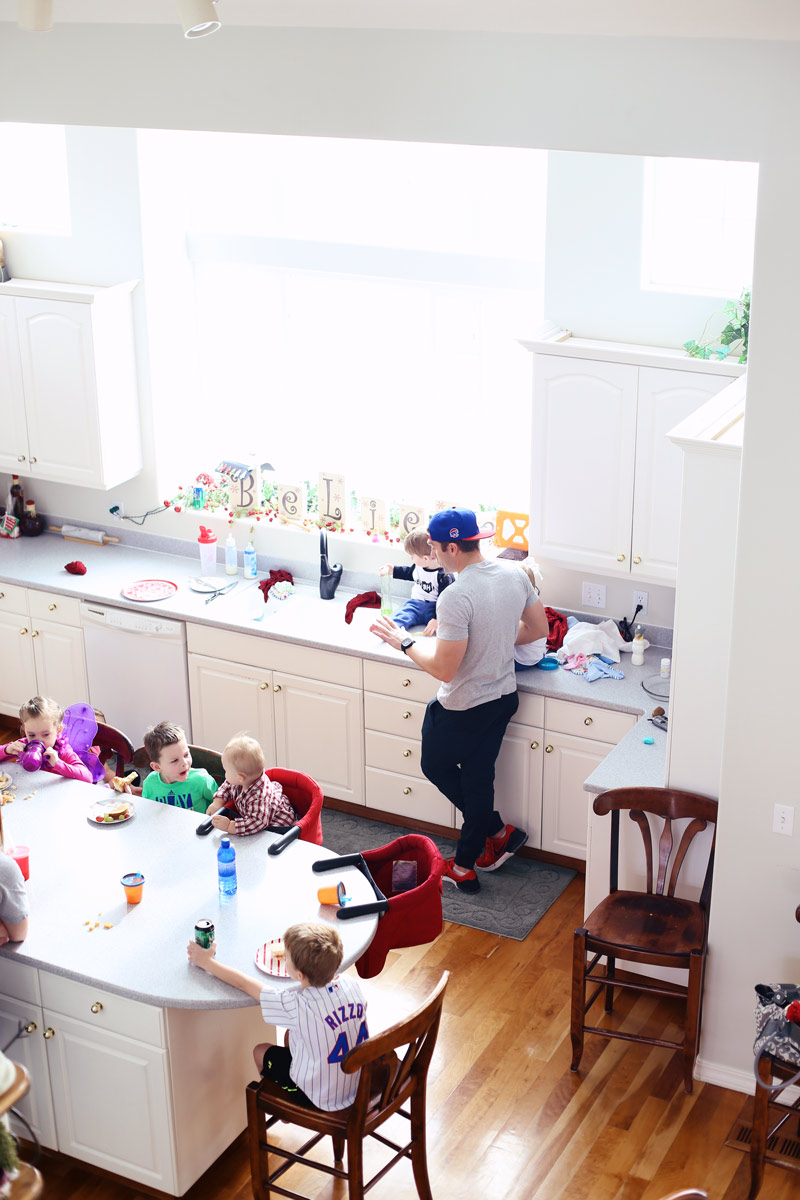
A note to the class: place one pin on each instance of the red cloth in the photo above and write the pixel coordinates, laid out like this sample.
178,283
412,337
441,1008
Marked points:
75,568
557,624
274,577
362,600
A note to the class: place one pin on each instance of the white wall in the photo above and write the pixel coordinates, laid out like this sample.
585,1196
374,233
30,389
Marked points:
604,95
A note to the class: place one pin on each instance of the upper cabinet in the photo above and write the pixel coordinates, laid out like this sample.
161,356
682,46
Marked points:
605,493
68,386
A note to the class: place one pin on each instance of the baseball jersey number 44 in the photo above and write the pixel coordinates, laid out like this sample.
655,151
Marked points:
342,1045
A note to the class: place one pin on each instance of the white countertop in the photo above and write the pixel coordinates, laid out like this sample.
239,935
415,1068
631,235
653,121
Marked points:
75,871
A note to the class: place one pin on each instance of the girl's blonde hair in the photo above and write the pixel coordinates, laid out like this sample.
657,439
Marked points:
41,706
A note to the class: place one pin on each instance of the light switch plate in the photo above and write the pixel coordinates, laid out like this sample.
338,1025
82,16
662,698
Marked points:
593,595
783,819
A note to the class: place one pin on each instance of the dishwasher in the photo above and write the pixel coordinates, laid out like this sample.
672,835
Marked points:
136,667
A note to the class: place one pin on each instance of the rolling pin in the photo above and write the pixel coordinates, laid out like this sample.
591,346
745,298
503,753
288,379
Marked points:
75,533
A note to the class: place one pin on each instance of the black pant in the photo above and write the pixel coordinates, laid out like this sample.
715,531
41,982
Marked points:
277,1060
459,750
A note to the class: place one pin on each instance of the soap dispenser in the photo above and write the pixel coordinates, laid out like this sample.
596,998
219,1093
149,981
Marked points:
250,560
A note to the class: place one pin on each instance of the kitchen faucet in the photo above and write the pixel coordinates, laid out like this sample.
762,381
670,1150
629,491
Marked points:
329,577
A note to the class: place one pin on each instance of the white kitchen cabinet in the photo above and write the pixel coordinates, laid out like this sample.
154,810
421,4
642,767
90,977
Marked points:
304,706
518,780
606,479
41,648
30,1050
68,383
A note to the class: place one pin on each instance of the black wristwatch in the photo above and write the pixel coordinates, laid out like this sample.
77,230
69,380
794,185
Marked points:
406,644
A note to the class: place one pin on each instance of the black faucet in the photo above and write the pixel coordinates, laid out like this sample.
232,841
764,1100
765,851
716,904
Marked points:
329,577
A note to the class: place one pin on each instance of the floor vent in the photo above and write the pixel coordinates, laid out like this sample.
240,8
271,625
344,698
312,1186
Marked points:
781,1149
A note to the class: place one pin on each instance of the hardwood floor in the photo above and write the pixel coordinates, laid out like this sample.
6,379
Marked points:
506,1117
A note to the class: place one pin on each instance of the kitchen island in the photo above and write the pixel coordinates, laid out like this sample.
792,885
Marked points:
138,1060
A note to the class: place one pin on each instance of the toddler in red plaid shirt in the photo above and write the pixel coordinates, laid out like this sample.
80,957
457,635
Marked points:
258,801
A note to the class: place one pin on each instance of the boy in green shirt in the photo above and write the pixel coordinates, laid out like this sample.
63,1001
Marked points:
173,779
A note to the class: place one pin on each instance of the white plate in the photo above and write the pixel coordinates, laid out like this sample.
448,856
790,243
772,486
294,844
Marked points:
268,963
200,583
101,807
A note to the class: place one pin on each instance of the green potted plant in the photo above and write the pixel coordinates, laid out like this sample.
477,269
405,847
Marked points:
732,338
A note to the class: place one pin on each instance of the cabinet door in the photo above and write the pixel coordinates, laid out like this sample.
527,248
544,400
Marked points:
319,729
30,1051
665,399
111,1101
228,698
568,762
584,430
14,447
18,673
58,372
60,662
518,780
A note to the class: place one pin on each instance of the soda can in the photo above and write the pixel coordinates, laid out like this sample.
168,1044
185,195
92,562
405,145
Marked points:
204,933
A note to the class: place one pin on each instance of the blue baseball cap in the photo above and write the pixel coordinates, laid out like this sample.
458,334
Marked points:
456,525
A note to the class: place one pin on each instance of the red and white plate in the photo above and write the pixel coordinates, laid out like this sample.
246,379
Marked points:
268,962
149,589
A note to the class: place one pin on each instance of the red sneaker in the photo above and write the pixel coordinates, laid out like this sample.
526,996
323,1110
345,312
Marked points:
501,847
468,882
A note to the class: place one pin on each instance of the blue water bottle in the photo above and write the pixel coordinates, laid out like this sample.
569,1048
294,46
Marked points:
226,866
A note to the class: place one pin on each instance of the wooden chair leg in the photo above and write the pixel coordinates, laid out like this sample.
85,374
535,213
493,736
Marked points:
578,997
758,1141
338,1149
610,966
691,1033
419,1148
355,1167
255,1132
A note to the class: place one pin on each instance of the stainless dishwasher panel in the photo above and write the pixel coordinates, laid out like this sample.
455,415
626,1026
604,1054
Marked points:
137,669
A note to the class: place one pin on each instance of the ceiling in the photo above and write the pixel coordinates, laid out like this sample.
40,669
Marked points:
769,19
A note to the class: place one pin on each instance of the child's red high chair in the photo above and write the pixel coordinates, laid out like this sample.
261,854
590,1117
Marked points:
408,918
305,795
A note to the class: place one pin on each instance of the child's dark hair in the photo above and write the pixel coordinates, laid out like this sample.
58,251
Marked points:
41,706
315,949
165,733
416,542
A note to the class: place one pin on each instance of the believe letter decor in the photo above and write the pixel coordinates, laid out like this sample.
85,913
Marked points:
373,515
331,499
291,500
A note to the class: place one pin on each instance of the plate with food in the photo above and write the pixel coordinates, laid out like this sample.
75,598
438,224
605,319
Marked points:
5,780
149,589
113,811
271,958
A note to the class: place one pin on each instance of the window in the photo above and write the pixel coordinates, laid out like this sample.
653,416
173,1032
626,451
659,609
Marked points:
699,225
359,305
34,185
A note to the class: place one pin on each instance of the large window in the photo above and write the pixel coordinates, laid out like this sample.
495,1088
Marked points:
358,306
34,186
699,225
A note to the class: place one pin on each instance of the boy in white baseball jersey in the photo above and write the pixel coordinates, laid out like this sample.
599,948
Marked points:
326,1016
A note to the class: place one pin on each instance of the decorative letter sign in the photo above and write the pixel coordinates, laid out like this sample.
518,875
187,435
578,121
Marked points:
331,499
411,518
373,515
291,501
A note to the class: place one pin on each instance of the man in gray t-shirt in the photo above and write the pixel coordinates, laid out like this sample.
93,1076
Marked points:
481,617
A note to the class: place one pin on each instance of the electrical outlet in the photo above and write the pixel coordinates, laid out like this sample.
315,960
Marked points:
641,598
783,819
593,595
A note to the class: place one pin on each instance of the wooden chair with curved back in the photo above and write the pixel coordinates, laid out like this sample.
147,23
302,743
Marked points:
394,1072
114,743
653,927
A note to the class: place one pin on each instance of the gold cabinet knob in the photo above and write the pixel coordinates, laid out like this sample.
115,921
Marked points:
35,633
2,595
620,558
32,459
406,754
587,720
534,745
52,607
406,791
20,458
49,1033
637,559
30,1027
405,715
23,632
548,749
276,687
96,1007
406,683
263,686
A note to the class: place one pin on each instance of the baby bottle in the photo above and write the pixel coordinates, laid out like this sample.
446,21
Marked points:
207,544
637,656
32,756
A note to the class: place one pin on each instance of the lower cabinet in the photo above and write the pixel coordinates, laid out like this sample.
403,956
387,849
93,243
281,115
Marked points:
41,648
140,1091
550,748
